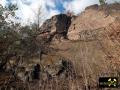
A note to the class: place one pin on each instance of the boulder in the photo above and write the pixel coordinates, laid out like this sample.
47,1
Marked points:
57,66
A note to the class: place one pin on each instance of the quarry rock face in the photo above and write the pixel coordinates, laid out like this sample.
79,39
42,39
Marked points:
79,64
84,26
58,24
94,20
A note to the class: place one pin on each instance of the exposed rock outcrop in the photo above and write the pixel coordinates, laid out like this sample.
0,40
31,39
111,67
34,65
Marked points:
56,26
93,49
90,22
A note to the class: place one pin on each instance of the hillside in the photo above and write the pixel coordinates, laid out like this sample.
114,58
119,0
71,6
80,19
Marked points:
93,44
83,48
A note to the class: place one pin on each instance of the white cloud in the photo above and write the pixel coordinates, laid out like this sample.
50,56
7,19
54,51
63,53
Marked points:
50,3
2,2
28,8
28,12
112,1
77,6
52,13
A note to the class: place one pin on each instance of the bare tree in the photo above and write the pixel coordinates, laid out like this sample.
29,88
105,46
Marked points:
38,21
38,17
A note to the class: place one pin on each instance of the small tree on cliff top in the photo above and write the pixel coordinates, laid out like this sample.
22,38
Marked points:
102,2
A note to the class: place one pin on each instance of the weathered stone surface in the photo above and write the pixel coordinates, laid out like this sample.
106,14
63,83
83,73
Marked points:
93,18
52,65
96,52
58,24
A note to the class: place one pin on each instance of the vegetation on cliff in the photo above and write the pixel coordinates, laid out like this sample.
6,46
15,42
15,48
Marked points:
67,52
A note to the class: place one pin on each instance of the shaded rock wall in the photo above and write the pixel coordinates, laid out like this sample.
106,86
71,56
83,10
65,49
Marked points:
58,24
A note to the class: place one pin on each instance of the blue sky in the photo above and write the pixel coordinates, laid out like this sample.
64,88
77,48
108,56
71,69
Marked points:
28,8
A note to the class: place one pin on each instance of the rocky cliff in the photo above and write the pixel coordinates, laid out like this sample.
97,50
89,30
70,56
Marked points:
87,47
57,26
93,19
92,45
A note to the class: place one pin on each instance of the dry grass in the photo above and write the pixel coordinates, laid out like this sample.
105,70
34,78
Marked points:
89,60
